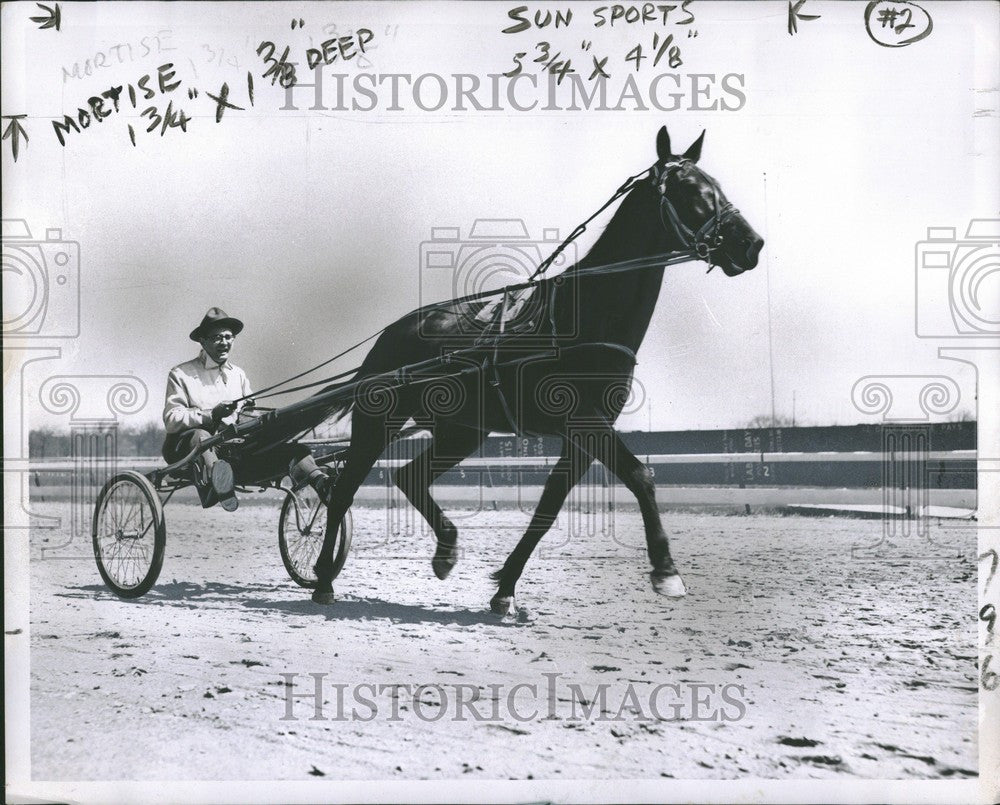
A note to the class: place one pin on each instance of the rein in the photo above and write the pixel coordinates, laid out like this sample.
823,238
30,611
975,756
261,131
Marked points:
665,259
698,245
264,391
627,185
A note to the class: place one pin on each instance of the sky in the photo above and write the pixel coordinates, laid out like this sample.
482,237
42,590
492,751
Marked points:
308,223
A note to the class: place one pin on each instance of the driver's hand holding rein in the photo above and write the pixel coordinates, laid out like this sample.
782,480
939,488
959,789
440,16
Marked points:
222,411
200,398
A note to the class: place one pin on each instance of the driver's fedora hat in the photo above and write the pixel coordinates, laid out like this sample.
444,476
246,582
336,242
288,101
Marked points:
215,317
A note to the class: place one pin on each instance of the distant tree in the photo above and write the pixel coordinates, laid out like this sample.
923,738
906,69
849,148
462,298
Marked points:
41,443
143,441
149,440
48,442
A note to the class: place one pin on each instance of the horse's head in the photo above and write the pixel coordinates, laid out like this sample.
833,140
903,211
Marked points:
695,210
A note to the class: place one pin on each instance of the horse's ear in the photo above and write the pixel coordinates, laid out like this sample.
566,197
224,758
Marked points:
694,152
663,144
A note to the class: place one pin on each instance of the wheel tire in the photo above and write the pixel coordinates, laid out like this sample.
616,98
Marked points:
299,548
129,534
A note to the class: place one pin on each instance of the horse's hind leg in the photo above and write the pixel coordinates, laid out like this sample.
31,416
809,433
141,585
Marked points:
451,443
607,447
638,480
369,436
567,472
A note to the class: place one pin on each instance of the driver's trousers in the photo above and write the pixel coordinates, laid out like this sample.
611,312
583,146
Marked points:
282,459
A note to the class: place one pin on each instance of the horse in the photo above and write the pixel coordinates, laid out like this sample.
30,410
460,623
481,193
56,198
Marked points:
561,365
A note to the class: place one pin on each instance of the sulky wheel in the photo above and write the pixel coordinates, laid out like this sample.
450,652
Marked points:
300,536
129,534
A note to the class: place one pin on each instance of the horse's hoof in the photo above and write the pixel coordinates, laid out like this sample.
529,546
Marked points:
323,597
502,605
445,558
671,586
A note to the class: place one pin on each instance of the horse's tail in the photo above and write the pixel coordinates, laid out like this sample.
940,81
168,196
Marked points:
341,405
381,361
339,408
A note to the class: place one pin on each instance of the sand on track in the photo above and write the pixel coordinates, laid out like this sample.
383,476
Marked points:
833,666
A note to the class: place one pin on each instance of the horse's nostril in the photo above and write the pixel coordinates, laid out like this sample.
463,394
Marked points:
753,251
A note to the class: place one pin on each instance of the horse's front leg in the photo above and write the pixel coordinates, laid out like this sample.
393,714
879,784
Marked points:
359,462
567,472
639,481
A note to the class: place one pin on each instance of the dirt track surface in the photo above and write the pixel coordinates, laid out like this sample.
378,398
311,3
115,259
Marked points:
841,667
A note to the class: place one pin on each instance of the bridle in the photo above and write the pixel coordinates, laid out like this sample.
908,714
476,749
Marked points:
708,238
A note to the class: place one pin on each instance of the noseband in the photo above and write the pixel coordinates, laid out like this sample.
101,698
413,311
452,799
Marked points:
708,238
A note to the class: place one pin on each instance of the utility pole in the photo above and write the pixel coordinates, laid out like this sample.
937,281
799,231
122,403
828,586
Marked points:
770,337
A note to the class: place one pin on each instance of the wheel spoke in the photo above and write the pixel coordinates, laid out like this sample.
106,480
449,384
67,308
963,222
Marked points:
125,536
300,549
126,507
135,509
302,533
112,509
304,553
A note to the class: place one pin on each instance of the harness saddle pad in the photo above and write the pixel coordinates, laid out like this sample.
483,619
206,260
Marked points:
510,312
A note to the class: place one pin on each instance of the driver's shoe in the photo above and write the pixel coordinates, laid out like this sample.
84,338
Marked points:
224,485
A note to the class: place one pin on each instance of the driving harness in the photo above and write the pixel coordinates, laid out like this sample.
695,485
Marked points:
699,244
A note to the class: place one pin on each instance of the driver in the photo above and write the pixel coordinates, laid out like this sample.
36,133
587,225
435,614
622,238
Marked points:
200,398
